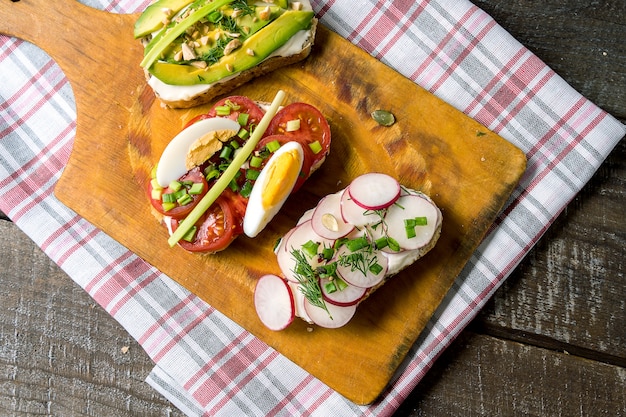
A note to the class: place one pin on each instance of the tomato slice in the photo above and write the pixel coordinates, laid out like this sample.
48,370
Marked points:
309,156
178,212
313,127
218,226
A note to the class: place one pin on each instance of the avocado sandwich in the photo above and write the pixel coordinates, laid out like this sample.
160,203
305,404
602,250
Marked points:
195,50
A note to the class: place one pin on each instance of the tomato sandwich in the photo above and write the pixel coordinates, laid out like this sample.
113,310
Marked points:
229,171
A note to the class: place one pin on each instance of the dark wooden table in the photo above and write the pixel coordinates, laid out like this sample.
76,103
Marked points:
552,341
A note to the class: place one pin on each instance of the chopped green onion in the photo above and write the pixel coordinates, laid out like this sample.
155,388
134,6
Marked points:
168,206
223,182
242,119
211,172
185,199
156,193
376,268
180,193
252,174
196,188
246,189
222,110
273,146
316,147
381,242
234,144
310,248
292,125
356,244
153,171
330,287
327,253
155,184
243,133
232,105
421,221
226,152
393,244
256,161
214,17
233,185
175,185
169,198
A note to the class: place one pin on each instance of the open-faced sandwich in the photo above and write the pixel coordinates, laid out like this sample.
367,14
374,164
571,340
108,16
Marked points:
344,249
229,171
195,50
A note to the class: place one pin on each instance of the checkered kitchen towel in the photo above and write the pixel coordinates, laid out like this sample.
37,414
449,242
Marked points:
206,364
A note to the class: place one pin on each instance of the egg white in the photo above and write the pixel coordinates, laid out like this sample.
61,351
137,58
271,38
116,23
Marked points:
171,166
257,216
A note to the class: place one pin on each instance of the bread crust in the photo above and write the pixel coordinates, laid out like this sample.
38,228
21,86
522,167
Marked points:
243,77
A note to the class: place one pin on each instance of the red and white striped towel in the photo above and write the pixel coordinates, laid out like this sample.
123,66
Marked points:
206,364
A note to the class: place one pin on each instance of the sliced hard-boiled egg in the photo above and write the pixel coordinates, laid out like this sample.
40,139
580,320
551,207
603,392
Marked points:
172,164
272,187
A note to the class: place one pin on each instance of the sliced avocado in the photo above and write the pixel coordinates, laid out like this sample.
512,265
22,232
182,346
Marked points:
164,38
152,18
263,43
246,26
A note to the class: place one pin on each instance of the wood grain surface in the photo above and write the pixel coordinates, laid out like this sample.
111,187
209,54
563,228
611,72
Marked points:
550,342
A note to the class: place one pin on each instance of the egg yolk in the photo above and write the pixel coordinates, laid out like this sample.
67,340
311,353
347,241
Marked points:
281,176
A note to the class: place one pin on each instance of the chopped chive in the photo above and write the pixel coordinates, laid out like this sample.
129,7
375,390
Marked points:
381,242
196,188
330,287
292,125
356,244
242,119
327,253
376,268
168,198
156,193
233,185
222,110
255,161
243,133
310,248
211,172
175,185
246,189
226,152
393,244
421,221
252,174
184,200
316,147
273,146
155,184
168,206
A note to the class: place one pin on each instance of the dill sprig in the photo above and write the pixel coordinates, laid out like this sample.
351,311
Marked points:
308,279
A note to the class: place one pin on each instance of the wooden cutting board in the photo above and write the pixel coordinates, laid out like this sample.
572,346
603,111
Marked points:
469,171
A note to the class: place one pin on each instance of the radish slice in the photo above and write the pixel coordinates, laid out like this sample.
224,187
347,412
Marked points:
298,299
354,214
339,316
274,302
300,235
346,297
374,191
410,207
357,277
327,220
